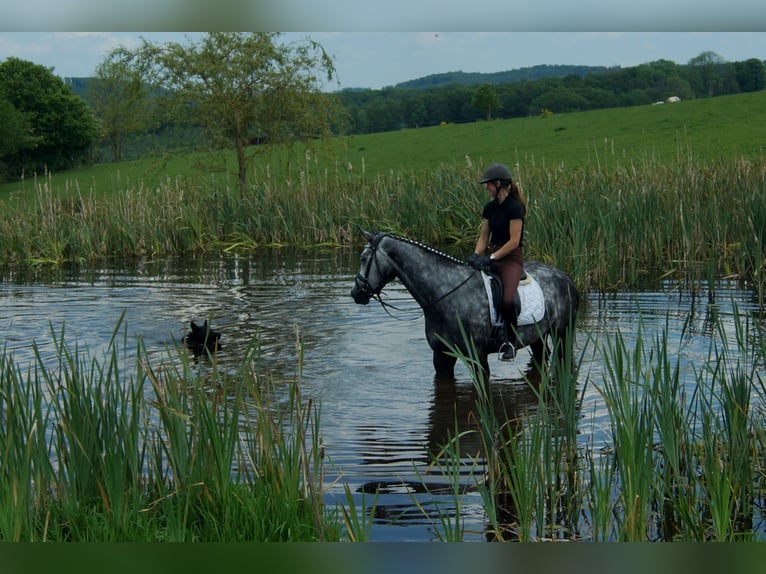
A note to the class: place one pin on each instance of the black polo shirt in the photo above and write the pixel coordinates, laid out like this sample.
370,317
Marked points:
499,216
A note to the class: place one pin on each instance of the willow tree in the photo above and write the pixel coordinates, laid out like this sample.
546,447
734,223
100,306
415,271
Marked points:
240,87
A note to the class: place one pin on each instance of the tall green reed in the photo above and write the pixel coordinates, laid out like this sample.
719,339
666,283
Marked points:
531,478
95,451
682,458
632,431
609,226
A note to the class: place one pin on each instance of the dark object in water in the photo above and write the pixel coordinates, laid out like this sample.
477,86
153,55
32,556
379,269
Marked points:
202,339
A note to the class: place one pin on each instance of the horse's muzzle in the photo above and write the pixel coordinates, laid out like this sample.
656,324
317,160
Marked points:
360,296
360,291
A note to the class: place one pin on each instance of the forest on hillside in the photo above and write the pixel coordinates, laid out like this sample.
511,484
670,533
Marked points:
58,124
420,103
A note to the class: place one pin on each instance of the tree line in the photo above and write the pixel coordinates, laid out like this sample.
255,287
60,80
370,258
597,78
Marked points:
238,90
706,75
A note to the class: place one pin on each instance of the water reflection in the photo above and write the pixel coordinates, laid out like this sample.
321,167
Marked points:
454,407
383,415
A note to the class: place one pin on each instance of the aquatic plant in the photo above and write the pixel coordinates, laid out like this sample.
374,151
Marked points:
691,222
682,461
174,452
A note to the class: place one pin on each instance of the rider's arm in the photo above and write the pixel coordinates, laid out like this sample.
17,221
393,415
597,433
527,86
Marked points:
512,243
483,240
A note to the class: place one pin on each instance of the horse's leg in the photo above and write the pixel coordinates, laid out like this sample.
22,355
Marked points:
540,350
444,364
482,373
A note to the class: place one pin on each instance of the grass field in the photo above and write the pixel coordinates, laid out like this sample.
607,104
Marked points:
722,128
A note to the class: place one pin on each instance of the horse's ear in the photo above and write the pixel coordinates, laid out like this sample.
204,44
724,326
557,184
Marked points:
367,235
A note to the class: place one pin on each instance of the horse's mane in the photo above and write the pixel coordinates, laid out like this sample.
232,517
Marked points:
421,245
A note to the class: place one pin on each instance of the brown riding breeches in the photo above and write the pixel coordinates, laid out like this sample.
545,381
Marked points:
510,269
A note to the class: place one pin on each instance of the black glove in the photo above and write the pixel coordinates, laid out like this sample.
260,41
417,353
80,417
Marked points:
479,262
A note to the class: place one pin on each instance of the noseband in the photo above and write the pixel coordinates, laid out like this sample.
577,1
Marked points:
361,281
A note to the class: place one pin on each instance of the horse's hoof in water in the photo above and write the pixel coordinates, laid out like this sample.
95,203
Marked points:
507,352
202,339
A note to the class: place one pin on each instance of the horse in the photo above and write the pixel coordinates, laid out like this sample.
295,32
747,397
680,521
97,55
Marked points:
457,303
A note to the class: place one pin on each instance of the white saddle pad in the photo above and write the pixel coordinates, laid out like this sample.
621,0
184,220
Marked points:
532,301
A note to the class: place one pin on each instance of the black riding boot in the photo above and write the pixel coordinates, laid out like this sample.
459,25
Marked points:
508,348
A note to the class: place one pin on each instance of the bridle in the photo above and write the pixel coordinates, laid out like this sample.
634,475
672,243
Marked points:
361,281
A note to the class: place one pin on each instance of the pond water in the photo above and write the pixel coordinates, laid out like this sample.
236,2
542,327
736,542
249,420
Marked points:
382,412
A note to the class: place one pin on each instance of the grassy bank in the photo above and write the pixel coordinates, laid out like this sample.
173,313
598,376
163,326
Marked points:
709,130
177,452
688,221
616,196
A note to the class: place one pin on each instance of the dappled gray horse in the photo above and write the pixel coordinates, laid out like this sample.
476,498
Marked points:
456,300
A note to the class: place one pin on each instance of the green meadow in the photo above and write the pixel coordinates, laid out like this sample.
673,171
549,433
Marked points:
714,129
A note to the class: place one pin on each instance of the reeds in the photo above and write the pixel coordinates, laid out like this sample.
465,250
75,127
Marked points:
610,227
682,459
176,451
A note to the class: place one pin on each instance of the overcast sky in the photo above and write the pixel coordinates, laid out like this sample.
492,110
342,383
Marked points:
379,59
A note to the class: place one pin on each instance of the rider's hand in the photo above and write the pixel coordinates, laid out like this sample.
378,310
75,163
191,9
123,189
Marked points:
479,262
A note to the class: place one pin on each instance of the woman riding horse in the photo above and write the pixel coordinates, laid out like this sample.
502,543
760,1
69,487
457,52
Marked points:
502,236
456,305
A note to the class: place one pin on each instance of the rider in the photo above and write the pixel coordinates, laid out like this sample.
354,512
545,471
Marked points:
501,235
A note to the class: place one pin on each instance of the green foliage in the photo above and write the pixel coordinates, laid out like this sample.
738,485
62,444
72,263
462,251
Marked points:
121,102
672,465
239,87
54,128
485,99
16,137
751,75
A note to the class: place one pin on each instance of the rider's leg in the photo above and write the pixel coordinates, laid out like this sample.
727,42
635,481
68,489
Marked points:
508,348
510,269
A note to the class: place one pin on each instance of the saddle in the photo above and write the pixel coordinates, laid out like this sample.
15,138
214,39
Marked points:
529,293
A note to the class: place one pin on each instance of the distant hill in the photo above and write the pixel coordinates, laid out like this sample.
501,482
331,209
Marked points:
507,77
80,85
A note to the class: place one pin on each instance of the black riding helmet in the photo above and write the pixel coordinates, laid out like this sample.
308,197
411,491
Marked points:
496,171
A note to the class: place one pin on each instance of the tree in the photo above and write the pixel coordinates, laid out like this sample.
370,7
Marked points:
120,101
560,100
241,87
60,128
703,71
751,75
485,99
16,135
677,86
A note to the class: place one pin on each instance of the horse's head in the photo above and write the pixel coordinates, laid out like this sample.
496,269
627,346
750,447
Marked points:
375,269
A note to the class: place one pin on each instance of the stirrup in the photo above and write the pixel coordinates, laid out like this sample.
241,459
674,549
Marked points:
507,352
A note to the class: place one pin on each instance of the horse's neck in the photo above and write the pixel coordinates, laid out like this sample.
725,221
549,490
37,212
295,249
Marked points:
426,274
